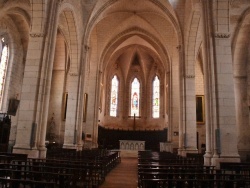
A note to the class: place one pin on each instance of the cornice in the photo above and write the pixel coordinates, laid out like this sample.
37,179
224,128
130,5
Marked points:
222,35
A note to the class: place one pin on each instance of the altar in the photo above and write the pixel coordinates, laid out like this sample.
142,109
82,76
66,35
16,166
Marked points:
130,148
132,145
166,146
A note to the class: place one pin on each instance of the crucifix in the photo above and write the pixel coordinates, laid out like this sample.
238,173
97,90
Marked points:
134,120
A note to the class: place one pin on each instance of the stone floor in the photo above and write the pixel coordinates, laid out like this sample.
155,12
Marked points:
124,175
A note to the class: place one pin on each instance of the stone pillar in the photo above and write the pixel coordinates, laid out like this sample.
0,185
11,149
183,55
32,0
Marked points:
190,136
26,137
225,96
181,106
92,87
209,82
70,135
221,131
81,101
32,120
47,74
242,114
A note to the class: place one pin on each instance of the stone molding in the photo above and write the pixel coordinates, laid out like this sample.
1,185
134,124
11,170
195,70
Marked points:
233,1
222,35
73,74
36,35
240,77
190,76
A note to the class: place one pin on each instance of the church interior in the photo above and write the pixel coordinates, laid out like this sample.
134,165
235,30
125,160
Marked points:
120,77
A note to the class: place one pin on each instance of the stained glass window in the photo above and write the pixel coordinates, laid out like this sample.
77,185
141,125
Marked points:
135,97
114,96
156,97
4,56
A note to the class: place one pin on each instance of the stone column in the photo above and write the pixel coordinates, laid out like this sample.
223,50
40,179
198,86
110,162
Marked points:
26,137
225,97
92,86
221,131
190,136
209,82
47,75
70,135
242,114
81,99
33,110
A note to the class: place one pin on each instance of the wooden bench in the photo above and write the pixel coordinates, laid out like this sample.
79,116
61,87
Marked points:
158,169
11,182
68,169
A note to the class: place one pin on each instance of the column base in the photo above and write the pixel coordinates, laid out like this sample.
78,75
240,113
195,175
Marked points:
183,151
69,146
89,144
42,152
207,158
215,161
79,147
244,154
31,152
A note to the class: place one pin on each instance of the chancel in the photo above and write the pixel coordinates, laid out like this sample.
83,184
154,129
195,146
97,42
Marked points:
84,80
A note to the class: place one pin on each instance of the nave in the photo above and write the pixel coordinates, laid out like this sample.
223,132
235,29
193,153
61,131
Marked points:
107,169
124,175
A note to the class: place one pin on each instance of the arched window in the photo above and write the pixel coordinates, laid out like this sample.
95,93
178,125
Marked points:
114,96
135,97
156,97
4,57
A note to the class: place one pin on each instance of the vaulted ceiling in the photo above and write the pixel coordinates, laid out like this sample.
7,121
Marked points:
124,29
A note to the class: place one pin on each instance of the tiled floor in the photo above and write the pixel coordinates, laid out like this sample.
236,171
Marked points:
124,175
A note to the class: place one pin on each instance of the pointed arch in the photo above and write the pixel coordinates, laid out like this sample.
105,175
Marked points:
4,59
69,29
114,93
156,98
135,97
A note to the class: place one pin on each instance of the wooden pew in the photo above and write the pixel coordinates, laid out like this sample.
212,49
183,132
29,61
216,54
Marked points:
158,169
13,183
64,167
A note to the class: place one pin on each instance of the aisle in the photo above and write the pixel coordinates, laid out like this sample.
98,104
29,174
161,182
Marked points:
124,175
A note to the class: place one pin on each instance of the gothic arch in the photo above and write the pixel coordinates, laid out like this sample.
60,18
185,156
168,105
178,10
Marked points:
68,26
192,42
240,44
240,55
100,12
157,47
17,36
